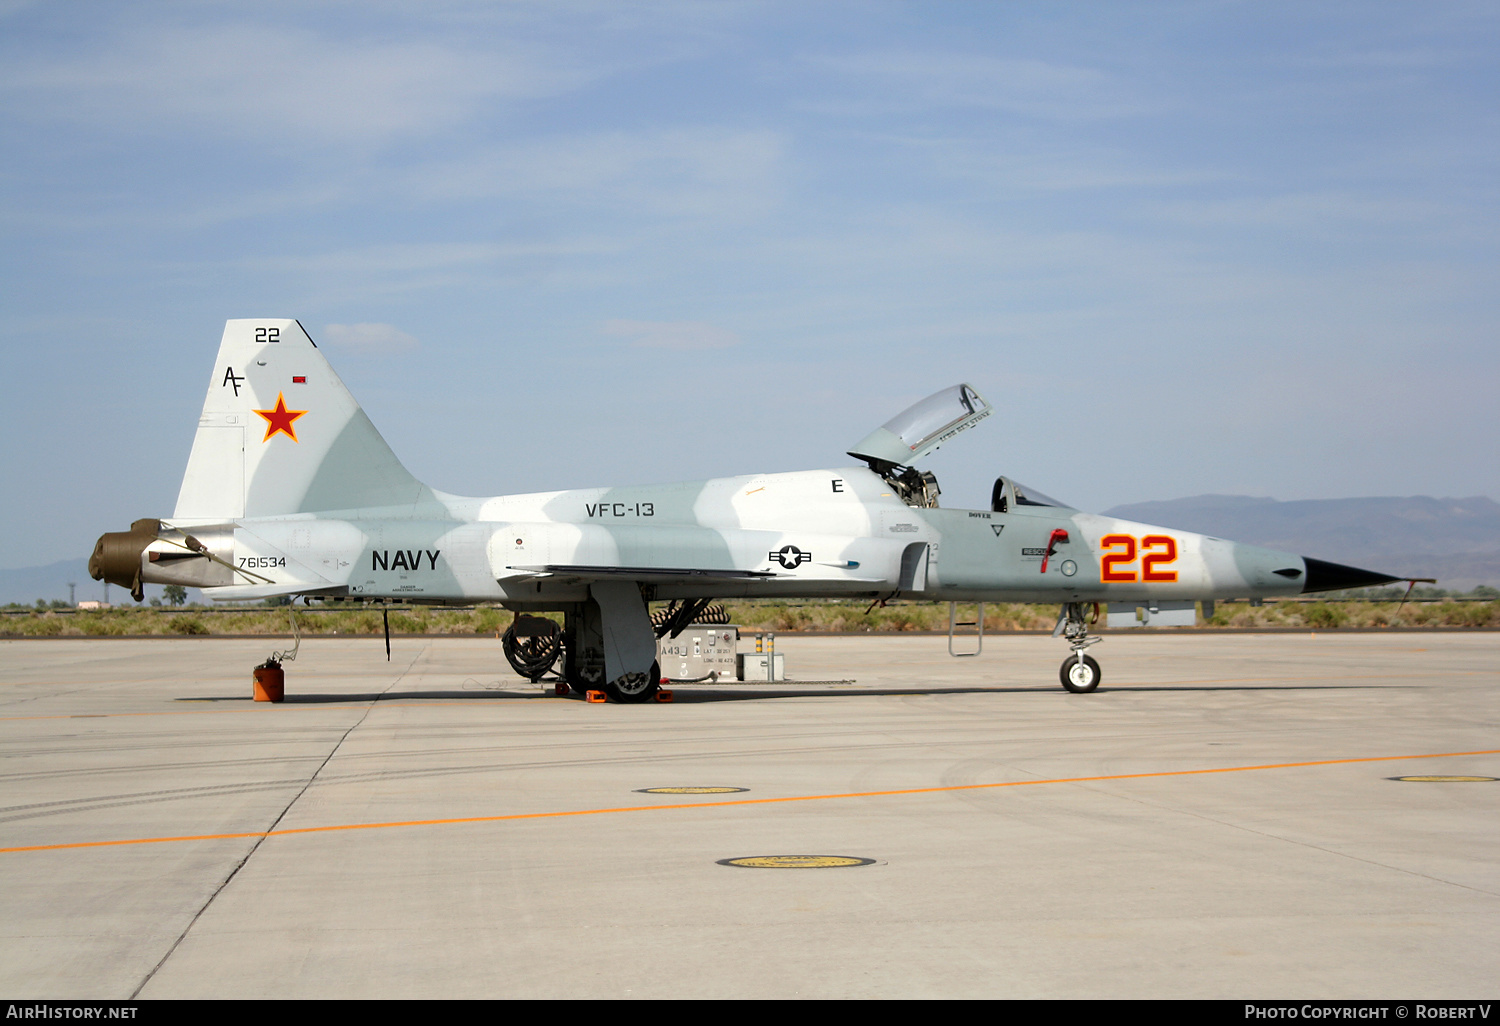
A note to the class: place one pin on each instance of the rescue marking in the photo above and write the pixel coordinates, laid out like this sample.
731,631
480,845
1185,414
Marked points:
733,801
796,862
689,790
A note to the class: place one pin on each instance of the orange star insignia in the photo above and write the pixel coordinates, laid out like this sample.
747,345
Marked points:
280,419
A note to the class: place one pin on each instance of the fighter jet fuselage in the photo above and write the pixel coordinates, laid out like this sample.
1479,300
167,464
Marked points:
290,490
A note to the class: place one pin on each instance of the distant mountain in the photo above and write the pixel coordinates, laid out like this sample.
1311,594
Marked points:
49,582
1454,540
27,584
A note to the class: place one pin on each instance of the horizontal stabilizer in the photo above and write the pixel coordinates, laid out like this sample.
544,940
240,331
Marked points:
259,592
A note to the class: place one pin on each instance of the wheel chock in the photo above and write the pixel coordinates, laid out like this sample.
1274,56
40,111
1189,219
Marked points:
270,684
664,695
595,696
560,688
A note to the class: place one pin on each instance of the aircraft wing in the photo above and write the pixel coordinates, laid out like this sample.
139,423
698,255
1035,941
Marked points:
655,574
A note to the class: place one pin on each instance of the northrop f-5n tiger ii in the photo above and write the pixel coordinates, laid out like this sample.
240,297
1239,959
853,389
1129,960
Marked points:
290,491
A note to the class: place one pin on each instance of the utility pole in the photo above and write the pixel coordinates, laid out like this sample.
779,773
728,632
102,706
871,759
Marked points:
71,586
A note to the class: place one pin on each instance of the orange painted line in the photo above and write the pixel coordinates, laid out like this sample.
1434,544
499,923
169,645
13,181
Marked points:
743,801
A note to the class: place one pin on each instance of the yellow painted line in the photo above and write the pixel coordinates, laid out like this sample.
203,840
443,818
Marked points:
742,801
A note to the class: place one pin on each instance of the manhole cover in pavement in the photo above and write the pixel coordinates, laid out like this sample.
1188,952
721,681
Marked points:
796,861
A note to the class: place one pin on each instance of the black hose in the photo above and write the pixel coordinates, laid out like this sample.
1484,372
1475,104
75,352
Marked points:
533,652
675,617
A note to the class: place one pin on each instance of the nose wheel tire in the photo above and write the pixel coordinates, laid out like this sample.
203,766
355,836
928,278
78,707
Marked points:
1080,675
635,687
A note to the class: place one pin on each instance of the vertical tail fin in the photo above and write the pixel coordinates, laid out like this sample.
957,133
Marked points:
281,434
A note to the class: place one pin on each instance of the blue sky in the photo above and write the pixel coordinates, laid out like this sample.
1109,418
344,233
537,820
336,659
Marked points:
1243,248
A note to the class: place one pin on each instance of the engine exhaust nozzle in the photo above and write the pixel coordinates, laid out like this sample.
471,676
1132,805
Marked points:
117,556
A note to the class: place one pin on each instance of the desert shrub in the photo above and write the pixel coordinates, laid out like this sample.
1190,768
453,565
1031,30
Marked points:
42,626
1472,614
791,618
1486,614
903,618
1323,615
405,622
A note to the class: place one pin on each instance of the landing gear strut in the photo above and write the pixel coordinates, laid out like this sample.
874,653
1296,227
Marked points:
583,647
1079,673
583,650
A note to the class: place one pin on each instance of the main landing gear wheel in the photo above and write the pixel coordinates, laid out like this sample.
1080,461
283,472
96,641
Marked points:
635,687
1080,675
581,683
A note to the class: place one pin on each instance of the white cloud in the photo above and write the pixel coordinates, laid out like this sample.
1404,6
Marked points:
721,174
1316,210
395,258
279,84
1022,86
682,336
370,338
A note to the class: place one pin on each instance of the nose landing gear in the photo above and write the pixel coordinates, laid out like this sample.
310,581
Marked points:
1079,673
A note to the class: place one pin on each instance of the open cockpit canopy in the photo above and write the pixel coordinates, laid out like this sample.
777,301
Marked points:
922,427
892,448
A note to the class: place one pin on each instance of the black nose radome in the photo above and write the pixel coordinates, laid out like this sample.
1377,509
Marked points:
1323,576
